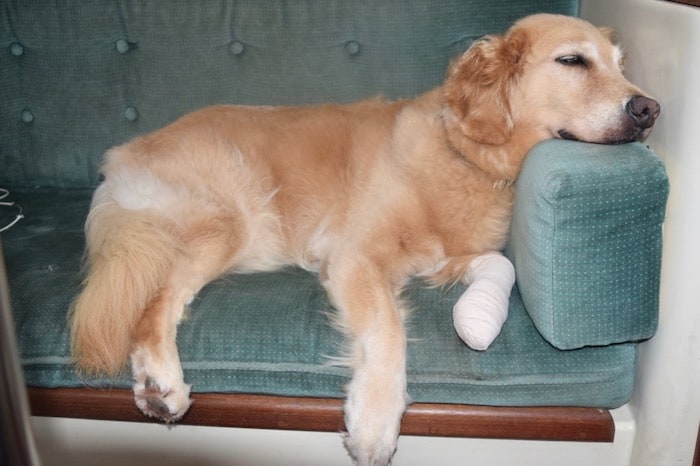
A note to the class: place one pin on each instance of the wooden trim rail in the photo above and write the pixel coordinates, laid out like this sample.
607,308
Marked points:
326,415
687,2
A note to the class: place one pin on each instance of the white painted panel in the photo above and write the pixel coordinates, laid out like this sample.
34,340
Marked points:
79,442
663,43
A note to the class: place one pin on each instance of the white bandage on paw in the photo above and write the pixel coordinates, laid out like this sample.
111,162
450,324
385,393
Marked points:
482,309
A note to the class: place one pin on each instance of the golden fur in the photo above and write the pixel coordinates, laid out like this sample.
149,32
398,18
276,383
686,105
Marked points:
367,194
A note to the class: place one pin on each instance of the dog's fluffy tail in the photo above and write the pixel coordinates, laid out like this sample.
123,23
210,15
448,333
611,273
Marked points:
129,255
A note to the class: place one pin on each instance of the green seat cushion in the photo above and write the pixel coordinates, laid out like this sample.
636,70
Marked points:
586,241
269,333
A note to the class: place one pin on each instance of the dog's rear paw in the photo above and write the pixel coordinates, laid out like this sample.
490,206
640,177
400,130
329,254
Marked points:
160,401
159,389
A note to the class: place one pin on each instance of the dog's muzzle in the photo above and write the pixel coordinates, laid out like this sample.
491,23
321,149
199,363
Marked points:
639,117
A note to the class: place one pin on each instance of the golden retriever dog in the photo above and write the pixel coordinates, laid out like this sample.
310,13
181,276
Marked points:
366,194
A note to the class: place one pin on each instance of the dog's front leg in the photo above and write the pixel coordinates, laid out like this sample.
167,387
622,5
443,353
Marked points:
376,398
371,316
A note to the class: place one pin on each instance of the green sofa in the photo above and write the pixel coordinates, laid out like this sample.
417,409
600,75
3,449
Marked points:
79,77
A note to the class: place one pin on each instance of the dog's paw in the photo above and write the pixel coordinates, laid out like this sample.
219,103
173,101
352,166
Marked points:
159,393
370,451
373,421
162,402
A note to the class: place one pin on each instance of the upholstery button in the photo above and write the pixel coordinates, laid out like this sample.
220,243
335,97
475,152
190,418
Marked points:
16,49
131,114
122,46
352,47
27,116
236,47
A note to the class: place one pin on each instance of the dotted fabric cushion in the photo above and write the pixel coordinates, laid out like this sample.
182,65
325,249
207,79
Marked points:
586,241
269,333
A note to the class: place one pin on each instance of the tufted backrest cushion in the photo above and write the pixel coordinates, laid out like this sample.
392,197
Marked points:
79,77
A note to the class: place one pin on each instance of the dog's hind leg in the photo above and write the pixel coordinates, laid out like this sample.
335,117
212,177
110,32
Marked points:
159,387
372,316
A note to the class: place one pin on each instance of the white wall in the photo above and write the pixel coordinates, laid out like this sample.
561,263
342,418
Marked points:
663,44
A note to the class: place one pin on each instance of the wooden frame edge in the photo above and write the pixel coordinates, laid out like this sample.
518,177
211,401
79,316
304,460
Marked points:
326,415
687,2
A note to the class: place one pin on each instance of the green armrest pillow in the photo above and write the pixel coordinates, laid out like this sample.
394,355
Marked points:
586,241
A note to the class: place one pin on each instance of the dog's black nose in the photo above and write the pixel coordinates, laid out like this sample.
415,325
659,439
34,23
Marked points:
643,110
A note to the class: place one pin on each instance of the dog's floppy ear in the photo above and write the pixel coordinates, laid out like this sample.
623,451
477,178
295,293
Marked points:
609,33
477,85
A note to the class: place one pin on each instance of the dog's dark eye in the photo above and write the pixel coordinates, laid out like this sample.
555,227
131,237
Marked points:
572,60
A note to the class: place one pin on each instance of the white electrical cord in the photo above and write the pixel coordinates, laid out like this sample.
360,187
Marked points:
18,216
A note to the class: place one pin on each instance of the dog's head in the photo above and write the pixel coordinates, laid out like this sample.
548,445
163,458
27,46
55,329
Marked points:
561,77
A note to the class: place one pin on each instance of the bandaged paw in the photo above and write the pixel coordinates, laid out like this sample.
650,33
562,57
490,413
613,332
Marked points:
481,311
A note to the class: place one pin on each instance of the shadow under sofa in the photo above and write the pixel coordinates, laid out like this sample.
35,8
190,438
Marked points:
258,348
